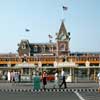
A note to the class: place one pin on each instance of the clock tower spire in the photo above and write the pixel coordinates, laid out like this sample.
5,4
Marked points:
63,38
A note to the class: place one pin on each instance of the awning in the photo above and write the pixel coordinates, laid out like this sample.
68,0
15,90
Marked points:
25,65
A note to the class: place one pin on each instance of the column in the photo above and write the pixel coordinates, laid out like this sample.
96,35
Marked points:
94,76
88,73
73,76
22,71
70,74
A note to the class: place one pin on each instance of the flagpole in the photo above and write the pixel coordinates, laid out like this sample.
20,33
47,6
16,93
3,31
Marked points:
64,8
50,38
63,15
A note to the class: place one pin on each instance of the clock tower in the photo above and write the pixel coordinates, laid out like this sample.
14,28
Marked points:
63,38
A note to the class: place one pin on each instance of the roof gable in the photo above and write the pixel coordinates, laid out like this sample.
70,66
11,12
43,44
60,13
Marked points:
62,28
62,34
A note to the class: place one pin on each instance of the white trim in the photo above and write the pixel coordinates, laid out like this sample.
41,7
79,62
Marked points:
79,96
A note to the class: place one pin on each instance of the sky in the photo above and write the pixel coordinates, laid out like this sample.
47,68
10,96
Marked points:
44,17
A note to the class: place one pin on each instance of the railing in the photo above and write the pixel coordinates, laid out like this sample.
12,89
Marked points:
51,59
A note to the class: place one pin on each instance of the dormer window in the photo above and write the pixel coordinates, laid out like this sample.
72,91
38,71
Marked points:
35,49
23,46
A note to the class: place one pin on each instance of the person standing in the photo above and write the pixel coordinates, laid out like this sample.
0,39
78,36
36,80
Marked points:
56,79
44,79
63,79
98,75
9,76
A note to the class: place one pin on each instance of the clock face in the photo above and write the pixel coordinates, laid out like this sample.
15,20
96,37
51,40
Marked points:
62,36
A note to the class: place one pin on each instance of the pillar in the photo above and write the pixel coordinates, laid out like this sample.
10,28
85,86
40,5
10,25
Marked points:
94,76
71,73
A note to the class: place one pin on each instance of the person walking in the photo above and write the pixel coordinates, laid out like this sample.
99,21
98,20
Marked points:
63,79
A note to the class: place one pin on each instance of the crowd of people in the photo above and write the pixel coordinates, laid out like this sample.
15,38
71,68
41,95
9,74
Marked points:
13,76
59,80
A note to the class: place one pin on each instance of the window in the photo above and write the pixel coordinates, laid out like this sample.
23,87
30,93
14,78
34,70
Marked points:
35,49
26,71
62,47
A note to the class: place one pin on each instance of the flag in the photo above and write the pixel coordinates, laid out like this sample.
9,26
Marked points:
65,8
50,36
27,30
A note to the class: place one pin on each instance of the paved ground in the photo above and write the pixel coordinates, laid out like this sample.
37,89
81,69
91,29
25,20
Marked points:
49,85
38,96
50,95
90,95
24,91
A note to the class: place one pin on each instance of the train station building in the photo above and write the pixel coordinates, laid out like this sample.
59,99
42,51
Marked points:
33,57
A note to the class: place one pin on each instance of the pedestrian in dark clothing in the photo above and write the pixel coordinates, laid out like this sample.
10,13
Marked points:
19,77
63,80
44,79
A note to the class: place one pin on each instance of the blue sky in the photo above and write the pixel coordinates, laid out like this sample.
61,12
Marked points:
44,17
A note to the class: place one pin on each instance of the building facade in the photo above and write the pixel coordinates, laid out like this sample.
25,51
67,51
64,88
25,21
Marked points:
37,56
